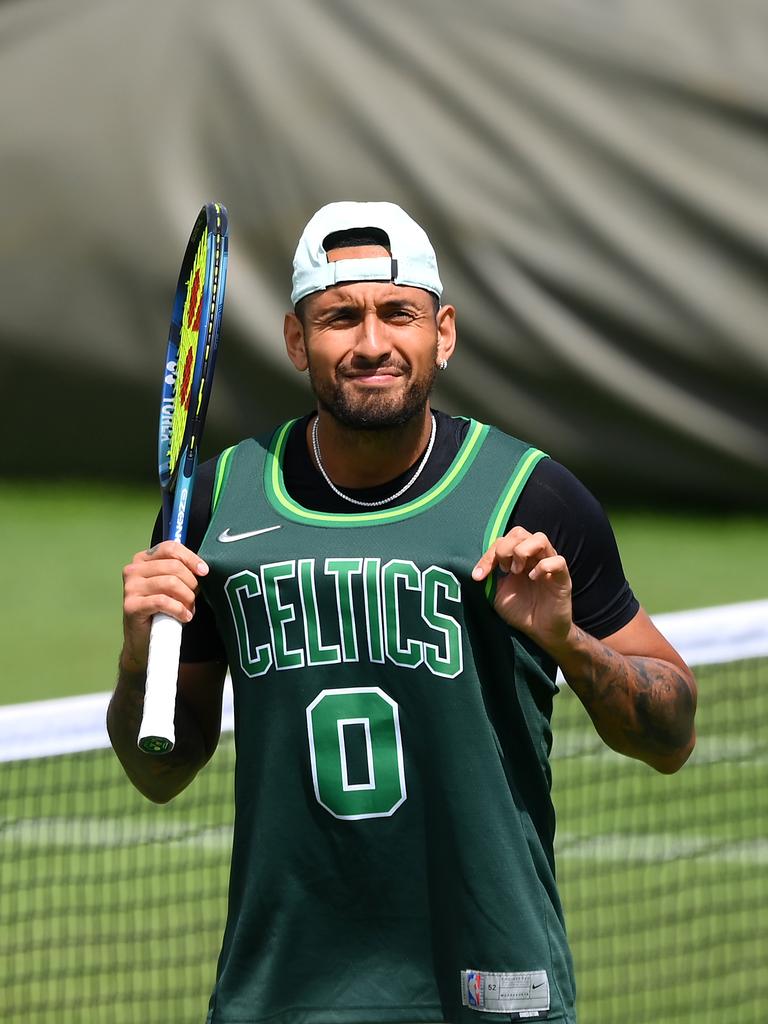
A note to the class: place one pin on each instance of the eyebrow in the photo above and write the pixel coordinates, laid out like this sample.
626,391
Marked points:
347,303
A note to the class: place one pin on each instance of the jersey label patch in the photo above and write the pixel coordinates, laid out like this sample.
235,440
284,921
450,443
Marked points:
523,995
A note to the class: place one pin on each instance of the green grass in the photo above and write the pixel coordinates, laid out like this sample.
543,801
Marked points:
676,561
64,547
63,551
663,877
112,908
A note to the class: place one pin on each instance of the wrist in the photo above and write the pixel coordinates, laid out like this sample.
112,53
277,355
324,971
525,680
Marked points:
568,649
129,665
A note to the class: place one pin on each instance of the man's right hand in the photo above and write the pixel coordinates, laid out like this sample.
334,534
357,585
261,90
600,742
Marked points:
162,579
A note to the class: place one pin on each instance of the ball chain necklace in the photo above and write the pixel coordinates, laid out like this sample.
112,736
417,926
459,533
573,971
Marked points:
382,501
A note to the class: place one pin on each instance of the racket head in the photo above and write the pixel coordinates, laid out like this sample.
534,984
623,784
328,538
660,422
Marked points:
190,358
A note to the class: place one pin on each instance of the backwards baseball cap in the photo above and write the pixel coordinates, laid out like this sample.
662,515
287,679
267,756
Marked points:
412,261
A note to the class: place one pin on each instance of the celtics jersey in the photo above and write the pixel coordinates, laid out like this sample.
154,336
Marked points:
392,854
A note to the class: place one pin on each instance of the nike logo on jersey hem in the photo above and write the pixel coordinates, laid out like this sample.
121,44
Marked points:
227,538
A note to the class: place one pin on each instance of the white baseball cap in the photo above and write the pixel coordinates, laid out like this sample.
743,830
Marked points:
412,261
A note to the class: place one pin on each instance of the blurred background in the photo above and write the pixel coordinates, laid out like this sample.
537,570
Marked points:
593,177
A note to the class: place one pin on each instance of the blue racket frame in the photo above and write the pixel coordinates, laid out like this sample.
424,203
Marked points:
177,486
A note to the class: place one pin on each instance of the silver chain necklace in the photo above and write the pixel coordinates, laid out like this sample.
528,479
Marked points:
382,501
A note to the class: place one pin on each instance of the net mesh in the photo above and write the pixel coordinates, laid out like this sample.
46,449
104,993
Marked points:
112,908
663,878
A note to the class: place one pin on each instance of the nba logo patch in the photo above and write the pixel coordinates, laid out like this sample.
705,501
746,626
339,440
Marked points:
474,988
521,995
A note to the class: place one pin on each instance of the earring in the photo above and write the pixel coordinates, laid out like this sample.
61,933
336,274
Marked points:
443,364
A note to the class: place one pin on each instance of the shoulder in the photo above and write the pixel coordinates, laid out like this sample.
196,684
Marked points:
554,487
207,479
281,435
550,484
557,503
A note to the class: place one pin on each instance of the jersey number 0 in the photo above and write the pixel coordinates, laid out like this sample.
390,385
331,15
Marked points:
356,753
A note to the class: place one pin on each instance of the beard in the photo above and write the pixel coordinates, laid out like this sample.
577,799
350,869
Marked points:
374,411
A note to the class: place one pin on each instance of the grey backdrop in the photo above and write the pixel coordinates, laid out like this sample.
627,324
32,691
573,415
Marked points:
592,175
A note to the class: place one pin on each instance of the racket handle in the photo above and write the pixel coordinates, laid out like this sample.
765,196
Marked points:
157,735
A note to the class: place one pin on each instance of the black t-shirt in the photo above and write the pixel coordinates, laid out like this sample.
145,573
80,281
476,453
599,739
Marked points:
553,501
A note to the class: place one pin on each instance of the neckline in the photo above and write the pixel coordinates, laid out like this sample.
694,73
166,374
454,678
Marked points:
416,470
289,508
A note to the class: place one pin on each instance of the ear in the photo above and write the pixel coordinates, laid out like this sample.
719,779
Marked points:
293,332
446,332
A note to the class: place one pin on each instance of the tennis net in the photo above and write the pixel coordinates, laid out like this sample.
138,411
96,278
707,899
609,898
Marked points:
112,909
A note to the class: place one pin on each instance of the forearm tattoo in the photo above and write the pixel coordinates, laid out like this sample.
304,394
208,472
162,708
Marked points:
649,702
663,702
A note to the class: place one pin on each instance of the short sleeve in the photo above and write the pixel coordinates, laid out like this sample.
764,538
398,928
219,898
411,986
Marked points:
556,503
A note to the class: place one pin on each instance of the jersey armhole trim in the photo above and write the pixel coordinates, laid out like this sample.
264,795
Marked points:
507,501
219,480
222,472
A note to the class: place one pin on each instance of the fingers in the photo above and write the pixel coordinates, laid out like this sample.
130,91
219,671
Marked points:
162,579
173,550
550,567
520,551
164,594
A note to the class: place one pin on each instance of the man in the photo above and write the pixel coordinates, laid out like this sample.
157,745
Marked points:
393,589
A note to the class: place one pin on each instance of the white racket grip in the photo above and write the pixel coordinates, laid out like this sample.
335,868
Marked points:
157,734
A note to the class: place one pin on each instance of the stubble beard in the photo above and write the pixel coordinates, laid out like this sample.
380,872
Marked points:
373,411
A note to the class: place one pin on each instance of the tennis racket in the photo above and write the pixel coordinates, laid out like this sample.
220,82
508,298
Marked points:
187,377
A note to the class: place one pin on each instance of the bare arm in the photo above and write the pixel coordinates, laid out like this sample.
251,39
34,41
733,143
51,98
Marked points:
638,691
163,579
198,721
642,704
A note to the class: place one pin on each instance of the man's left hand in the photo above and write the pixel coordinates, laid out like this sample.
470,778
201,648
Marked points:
533,590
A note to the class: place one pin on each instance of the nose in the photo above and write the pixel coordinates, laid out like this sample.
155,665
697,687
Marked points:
371,342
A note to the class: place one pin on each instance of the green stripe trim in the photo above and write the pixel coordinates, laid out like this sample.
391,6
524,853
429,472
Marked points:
507,501
222,472
282,501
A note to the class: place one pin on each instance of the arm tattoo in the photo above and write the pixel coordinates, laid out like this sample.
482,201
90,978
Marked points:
638,704
663,702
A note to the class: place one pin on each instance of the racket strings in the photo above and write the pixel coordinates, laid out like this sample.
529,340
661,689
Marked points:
197,328
212,306
188,345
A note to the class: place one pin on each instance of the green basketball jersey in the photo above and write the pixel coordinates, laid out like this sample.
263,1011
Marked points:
392,855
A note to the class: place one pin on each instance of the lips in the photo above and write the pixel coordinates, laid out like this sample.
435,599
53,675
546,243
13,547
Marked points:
383,372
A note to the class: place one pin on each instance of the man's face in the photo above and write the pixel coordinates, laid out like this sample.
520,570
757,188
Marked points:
371,348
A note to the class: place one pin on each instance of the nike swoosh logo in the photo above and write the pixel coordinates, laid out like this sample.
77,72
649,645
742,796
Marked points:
539,984
226,537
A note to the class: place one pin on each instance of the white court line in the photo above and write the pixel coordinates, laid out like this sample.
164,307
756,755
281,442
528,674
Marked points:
703,636
68,725
724,748
655,848
114,833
